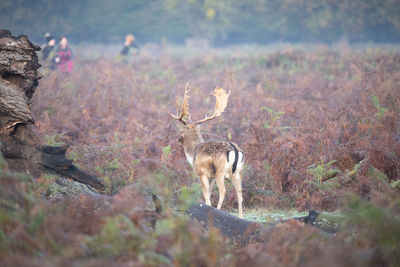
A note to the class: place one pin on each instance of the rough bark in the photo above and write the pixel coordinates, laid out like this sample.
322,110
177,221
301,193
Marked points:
19,78
22,148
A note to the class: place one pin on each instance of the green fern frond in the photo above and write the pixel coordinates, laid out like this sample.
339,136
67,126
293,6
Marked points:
395,184
323,171
330,174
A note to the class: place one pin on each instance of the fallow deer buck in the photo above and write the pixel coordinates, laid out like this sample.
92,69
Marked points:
212,161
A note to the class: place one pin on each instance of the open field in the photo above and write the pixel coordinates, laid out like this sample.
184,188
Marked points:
300,116
320,127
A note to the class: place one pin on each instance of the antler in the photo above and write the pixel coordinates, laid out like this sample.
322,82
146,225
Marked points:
221,97
185,106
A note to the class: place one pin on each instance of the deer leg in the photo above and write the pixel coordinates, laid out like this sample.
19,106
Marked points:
212,185
206,189
219,177
237,183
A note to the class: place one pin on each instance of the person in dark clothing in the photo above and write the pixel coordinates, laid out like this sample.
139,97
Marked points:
129,42
48,47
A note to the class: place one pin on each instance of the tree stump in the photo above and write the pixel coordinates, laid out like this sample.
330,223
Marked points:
20,145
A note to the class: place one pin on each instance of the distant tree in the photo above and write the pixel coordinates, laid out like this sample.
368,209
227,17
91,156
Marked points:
221,21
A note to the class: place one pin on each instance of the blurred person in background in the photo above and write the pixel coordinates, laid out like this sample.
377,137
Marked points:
48,46
129,42
63,59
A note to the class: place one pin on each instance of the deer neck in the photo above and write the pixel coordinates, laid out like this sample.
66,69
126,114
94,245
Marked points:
190,145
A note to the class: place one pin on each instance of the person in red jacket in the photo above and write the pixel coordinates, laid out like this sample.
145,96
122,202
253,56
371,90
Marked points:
63,58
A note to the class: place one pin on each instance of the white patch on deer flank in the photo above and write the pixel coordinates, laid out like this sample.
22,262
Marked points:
231,157
240,161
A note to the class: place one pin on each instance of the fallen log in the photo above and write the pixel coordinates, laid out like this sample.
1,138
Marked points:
22,148
239,230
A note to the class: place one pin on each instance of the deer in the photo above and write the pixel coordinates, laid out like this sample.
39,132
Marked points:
212,161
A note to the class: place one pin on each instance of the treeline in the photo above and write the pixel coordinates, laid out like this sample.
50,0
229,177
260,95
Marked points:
222,21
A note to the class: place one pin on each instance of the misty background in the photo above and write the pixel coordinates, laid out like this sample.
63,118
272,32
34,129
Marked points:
221,22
